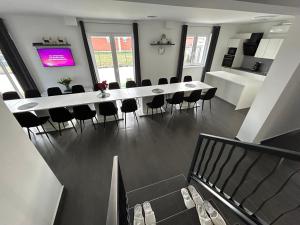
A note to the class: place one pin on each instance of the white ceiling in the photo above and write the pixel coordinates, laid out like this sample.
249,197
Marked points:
125,10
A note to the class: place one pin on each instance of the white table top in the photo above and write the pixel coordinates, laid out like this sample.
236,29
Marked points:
49,102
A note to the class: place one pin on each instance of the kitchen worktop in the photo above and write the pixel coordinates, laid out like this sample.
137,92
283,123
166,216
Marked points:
250,71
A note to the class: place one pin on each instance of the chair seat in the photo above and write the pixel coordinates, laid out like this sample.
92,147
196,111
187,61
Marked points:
170,101
60,115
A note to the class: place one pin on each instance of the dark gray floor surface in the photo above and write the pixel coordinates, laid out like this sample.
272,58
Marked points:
149,152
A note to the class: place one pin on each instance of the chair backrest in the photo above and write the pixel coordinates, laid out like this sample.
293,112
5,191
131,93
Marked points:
173,80
33,93
77,89
195,96
158,101
129,105
107,108
113,85
130,84
146,82
187,78
178,97
210,94
54,91
163,81
10,95
59,114
27,119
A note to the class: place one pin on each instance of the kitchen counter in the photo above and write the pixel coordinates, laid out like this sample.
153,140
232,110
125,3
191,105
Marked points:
239,90
250,71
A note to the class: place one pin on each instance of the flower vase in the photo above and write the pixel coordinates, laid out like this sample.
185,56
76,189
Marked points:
103,94
68,89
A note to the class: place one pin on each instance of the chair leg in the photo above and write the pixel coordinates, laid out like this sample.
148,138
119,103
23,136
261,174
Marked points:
161,112
80,124
210,104
59,129
74,126
45,132
125,120
96,119
136,117
171,108
188,105
116,120
29,133
64,125
147,109
52,125
38,129
152,113
104,121
202,104
180,105
93,123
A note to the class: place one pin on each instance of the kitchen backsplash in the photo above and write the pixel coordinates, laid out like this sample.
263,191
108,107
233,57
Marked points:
249,61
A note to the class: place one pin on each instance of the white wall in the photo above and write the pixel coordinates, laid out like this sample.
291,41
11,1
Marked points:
28,29
29,191
196,71
275,109
153,65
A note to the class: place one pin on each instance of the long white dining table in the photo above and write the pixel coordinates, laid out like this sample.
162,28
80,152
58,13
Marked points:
45,103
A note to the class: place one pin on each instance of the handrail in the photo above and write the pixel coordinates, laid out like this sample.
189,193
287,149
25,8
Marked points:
213,154
117,204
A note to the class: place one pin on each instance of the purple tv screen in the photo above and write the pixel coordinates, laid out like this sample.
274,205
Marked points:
56,57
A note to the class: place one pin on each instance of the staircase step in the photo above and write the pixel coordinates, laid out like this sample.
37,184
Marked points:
187,217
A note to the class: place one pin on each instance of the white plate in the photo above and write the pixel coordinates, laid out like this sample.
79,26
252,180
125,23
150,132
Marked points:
190,85
28,105
157,91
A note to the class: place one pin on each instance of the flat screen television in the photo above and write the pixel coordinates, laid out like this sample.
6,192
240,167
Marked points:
56,57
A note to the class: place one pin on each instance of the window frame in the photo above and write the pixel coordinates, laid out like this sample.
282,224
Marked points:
194,47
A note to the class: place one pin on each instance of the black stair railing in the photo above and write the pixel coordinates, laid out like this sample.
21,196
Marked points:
248,178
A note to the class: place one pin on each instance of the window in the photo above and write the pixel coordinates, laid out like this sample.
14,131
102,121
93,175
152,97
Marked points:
196,48
113,57
8,81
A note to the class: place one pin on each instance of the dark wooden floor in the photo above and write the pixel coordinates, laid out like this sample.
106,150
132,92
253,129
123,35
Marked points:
151,151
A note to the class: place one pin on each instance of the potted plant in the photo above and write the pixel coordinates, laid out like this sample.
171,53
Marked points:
66,82
102,87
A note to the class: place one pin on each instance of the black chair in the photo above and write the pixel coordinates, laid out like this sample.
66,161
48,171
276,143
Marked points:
129,105
82,113
162,81
54,91
113,85
77,89
146,82
193,98
187,78
177,99
130,84
33,93
173,80
61,115
157,102
10,95
108,109
29,120
208,96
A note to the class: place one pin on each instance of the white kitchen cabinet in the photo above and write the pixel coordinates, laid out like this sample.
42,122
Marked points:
273,48
268,48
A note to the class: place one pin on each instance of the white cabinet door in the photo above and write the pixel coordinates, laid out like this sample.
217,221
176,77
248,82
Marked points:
273,48
262,47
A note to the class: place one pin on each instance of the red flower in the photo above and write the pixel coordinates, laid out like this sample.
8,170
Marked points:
102,86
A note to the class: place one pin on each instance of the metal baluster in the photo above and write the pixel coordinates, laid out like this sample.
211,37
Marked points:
216,162
277,192
284,213
195,157
262,181
233,170
202,156
209,158
246,174
224,164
